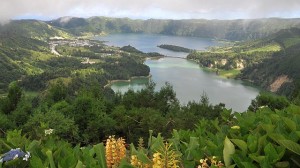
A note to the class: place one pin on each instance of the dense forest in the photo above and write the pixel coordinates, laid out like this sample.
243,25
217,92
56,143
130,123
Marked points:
61,129
55,110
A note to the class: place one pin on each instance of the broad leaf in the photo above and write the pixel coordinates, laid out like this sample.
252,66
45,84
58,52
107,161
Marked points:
79,164
100,152
50,158
241,144
228,151
271,153
252,142
292,146
290,124
36,162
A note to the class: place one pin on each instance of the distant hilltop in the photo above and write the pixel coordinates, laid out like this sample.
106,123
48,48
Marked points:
241,29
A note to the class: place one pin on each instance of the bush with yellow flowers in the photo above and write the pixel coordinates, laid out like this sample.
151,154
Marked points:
115,151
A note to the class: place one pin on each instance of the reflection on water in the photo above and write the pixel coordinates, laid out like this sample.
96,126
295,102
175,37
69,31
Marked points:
187,78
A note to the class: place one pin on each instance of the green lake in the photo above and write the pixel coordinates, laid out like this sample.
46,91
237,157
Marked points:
187,78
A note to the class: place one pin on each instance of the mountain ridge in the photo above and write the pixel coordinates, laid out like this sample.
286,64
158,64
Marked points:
239,29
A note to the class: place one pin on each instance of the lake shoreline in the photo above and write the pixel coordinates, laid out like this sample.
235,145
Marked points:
189,80
111,82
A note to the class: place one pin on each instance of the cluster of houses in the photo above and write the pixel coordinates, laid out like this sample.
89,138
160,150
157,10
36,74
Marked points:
238,64
72,43
56,41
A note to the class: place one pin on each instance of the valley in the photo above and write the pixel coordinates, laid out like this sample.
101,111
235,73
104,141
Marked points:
60,105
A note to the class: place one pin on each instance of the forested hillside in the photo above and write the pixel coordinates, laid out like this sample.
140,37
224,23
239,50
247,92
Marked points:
220,29
271,62
281,72
26,57
22,45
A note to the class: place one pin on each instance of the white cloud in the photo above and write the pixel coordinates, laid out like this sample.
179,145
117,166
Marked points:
175,9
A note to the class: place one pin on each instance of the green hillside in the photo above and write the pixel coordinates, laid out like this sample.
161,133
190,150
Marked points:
284,62
272,62
22,44
220,29
25,56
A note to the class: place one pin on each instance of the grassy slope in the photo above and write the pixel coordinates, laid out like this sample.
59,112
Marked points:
265,59
23,43
284,62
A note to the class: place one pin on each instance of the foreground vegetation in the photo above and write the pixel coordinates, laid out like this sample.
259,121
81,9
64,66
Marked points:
61,131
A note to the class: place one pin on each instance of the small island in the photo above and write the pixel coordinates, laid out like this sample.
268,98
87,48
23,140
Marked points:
175,48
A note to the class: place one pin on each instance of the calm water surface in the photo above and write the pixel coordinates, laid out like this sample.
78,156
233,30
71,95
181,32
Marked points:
187,78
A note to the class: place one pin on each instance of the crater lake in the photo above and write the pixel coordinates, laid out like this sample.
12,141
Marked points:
188,79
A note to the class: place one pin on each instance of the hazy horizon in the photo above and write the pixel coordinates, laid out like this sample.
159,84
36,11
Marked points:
142,9
60,17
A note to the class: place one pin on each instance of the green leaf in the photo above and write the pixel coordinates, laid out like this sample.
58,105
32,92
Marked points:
277,137
290,124
228,151
262,140
100,152
50,158
281,151
232,166
241,144
298,133
292,146
125,164
6,145
210,144
282,164
176,139
271,153
237,160
248,165
215,123
133,151
156,143
252,142
258,159
143,157
79,164
33,145
88,157
36,162
268,127
192,146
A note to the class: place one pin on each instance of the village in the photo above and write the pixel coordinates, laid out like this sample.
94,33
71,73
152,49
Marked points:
104,50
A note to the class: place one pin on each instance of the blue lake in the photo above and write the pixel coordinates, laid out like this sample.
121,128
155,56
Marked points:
187,78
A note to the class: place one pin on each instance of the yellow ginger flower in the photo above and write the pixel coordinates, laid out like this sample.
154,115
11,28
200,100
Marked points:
137,163
209,162
134,161
108,152
157,160
166,157
115,151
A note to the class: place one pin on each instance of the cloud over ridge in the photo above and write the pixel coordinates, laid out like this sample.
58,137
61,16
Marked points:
145,9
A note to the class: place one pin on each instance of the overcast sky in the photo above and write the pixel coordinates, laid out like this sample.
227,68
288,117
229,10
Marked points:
145,9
